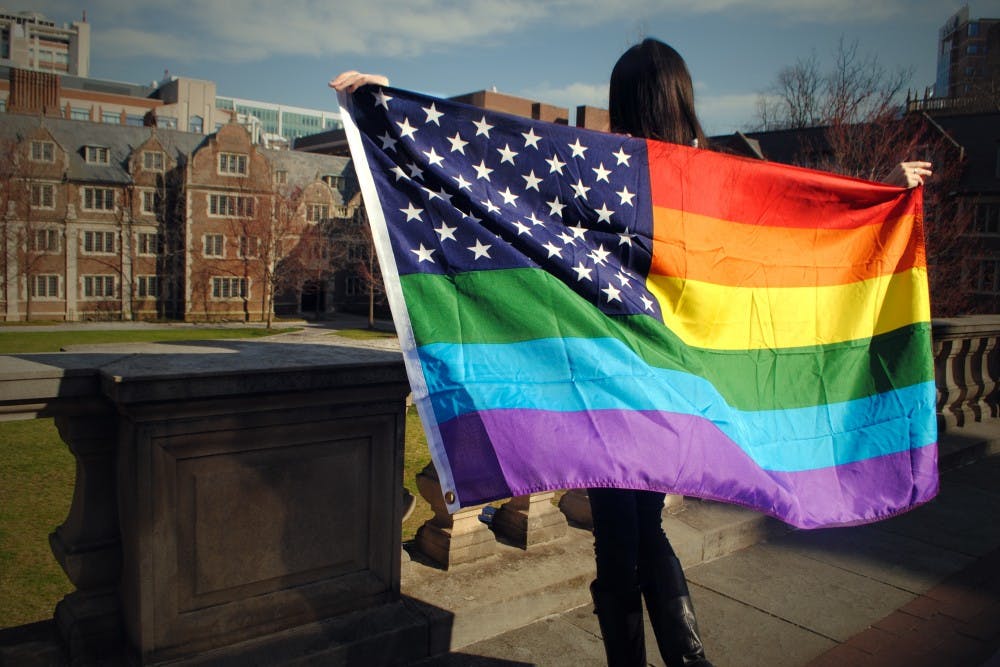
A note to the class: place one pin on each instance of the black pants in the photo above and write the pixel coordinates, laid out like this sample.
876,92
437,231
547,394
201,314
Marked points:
629,543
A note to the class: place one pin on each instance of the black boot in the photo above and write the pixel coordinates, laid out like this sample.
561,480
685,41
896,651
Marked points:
619,613
672,617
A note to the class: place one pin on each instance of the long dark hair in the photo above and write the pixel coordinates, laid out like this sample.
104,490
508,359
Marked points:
651,95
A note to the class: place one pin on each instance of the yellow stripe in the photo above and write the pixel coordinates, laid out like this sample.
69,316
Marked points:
719,317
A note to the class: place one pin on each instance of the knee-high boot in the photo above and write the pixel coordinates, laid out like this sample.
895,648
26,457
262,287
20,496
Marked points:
619,613
671,615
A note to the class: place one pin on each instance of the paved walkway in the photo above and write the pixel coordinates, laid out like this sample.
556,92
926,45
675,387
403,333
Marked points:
922,589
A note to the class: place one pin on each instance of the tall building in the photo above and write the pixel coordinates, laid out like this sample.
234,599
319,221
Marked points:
29,40
968,59
280,120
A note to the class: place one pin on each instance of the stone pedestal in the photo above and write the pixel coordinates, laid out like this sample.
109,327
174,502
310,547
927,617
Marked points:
529,520
575,504
450,539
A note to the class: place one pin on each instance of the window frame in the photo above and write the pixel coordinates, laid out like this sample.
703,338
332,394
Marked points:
222,288
233,164
218,243
98,286
142,286
48,278
46,152
40,187
97,154
90,237
52,243
147,156
93,192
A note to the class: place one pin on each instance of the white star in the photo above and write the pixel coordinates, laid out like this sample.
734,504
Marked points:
432,115
532,181
613,293
399,172
578,149
508,197
446,232
442,194
626,196
415,170
458,144
625,239
583,272
581,189
522,228
604,214
381,99
480,250
622,157
602,173
405,129
646,302
433,158
412,212
482,127
462,183
507,155
565,238
490,206
482,171
577,231
599,255
424,254
388,143
533,219
553,251
623,279
556,164
556,207
530,138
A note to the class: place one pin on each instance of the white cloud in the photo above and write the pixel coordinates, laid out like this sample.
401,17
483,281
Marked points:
724,114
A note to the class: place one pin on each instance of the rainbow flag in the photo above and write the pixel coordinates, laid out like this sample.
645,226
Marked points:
584,309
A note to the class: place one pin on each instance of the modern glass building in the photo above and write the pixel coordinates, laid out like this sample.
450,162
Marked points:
280,119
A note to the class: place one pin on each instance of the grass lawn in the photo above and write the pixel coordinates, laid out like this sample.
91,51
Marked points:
363,334
37,474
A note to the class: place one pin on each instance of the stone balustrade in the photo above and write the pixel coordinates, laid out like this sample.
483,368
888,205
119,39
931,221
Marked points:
235,499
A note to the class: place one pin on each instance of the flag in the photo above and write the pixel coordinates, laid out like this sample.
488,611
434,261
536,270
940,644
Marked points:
586,309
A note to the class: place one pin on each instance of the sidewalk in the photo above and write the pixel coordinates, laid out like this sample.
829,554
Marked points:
920,589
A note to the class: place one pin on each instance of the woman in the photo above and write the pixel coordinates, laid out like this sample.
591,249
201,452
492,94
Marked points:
650,96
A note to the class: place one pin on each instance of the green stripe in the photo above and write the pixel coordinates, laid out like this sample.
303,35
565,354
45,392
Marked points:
527,304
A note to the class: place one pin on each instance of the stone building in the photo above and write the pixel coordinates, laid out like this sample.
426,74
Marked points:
117,222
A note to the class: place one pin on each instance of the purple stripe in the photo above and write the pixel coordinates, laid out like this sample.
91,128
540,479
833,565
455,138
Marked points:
515,452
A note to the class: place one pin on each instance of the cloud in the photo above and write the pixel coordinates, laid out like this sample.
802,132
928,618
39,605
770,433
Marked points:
254,30
724,114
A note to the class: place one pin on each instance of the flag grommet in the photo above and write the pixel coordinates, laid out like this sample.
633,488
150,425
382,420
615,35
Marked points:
449,497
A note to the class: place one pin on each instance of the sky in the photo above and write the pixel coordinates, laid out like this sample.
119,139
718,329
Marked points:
556,51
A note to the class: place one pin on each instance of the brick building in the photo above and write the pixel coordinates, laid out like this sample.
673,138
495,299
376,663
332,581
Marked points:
117,222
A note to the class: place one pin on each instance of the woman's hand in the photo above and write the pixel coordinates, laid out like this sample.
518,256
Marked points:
351,81
909,174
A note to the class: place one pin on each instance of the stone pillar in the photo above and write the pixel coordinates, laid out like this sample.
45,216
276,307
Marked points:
529,520
450,539
88,543
575,504
967,369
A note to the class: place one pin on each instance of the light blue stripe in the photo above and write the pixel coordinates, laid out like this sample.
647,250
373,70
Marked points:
575,374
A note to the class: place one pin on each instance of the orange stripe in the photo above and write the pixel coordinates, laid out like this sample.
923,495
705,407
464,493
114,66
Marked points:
697,247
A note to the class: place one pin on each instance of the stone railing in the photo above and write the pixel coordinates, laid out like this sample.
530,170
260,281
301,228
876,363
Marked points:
234,500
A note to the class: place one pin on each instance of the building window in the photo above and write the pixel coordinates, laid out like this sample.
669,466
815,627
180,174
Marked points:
150,243
281,177
97,155
249,246
230,206
214,244
988,276
317,212
972,49
150,201
232,164
111,118
43,195
357,253
134,120
335,182
45,286
99,242
196,124
229,288
353,286
152,160
76,113
166,122
98,286
98,199
44,240
987,219
341,212
43,151
147,286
